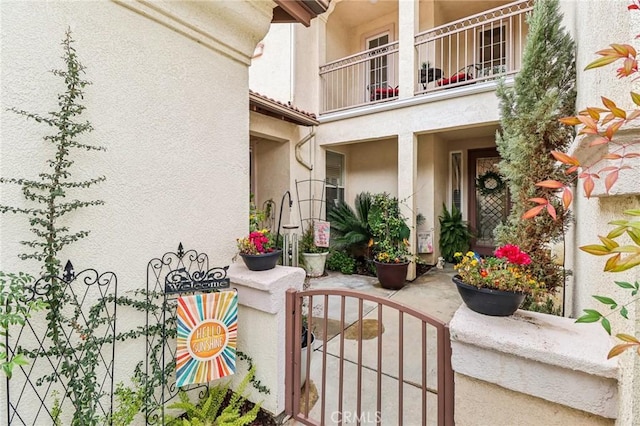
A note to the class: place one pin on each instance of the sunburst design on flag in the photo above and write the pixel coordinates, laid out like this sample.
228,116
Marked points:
207,337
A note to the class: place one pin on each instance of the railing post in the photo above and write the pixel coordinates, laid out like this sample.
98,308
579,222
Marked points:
290,312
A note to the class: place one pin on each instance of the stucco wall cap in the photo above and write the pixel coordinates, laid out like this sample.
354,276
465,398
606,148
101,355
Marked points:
540,337
276,279
265,290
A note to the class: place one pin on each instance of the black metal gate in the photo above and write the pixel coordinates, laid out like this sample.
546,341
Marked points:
407,383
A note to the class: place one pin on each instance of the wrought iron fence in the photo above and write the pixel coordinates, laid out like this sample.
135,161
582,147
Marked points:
70,346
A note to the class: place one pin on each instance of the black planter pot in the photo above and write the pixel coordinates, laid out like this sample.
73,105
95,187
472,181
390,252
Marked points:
486,301
304,337
392,276
261,262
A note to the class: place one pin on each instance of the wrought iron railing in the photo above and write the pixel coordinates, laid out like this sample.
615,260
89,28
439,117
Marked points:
477,48
357,371
366,77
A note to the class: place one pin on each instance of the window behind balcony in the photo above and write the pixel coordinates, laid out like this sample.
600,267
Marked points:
335,179
493,46
378,66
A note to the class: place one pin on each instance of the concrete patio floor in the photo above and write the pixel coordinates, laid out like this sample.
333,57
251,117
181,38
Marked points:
432,293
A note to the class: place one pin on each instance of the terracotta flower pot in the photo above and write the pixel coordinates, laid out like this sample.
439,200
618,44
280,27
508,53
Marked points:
261,262
392,276
488,301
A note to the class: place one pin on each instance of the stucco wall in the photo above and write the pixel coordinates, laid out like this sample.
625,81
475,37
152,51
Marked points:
372,167
161,104
619,26
523,410
170,105
337,33
272,69
277,168
272,170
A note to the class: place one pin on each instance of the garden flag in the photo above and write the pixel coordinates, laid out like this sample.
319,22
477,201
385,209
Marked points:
207,336
321,230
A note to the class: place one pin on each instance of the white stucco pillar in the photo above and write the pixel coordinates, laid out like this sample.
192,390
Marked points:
261,326
407,177
408,21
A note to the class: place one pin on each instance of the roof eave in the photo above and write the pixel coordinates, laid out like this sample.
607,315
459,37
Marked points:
302,11
280,111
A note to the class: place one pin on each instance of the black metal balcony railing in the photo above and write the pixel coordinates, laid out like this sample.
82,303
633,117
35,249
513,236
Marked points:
477,48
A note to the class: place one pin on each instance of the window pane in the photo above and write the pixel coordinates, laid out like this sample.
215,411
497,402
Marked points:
335,180
456,180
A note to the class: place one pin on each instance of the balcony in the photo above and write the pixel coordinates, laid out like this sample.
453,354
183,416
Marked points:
477,48
364,78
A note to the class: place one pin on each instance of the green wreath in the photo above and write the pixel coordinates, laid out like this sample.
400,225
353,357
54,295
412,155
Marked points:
489,183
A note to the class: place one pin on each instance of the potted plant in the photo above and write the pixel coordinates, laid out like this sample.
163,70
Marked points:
259,251
428,74
496,285
390,245
313,257
454,234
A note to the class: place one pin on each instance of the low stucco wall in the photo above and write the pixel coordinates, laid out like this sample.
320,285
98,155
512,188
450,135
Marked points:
501,406
547,361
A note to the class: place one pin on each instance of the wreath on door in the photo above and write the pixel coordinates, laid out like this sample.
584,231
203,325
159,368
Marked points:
489,183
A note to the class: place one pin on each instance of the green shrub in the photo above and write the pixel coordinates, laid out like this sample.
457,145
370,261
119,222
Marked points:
340,261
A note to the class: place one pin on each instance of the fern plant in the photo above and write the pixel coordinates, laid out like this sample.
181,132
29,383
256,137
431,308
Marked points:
207,411
454,233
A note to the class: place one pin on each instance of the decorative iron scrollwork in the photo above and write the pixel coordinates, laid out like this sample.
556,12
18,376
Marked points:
179,280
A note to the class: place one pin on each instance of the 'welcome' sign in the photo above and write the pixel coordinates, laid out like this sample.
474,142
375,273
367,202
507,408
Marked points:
207,337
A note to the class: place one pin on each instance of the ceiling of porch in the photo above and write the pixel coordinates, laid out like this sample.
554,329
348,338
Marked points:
353,13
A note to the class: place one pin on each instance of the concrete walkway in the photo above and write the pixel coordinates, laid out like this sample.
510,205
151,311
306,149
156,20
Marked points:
433,293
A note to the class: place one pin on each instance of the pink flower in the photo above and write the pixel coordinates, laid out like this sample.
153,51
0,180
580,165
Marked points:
513,254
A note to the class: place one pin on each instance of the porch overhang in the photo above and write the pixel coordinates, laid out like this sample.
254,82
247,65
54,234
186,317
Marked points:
302,11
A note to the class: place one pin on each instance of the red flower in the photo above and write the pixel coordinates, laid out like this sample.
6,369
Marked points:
513,254
483,273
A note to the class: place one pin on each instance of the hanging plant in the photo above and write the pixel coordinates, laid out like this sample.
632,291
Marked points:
489,183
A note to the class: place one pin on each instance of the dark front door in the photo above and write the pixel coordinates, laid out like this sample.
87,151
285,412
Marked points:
488,199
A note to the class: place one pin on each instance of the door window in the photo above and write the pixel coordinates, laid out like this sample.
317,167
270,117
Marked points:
493,47
378,66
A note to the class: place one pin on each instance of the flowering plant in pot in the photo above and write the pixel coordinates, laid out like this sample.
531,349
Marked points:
258,250
495,285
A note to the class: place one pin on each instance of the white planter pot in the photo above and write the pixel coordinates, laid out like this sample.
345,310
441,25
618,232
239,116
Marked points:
314,263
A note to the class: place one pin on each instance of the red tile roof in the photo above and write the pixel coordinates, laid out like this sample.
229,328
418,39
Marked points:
287,112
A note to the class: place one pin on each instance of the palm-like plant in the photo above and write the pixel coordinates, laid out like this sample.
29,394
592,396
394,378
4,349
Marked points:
350,228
